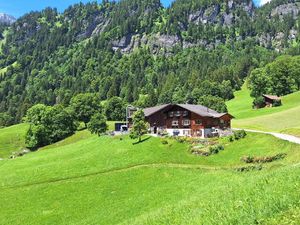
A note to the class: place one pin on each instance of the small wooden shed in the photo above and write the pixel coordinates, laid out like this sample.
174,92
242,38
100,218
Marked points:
272,100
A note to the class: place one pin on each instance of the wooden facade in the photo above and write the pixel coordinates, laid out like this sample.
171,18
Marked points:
178,120
271,100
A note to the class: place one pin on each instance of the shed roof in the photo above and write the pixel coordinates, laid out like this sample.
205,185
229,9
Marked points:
272,97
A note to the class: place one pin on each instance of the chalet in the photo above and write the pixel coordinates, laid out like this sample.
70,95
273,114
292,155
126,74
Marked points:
271,100
187,120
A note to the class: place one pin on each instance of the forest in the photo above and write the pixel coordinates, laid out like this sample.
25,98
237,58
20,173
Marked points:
195,51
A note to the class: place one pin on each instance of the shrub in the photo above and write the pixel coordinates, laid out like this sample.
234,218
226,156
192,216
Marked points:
249,168
266,159
277,103
181,139
200,152
216,149
239,134
259,102
247,159
231,138
164,142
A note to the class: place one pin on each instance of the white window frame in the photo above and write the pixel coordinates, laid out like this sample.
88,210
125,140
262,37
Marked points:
175,123
186,122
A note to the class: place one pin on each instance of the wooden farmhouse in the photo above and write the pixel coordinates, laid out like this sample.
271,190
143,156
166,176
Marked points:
187,120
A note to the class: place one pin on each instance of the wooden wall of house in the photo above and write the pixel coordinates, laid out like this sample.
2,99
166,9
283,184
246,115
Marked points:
162,119
157,119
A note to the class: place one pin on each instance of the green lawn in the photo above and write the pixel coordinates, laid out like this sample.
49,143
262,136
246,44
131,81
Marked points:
241,106
284,119
108,180
12,139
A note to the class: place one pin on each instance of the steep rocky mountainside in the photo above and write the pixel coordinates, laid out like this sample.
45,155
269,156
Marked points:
137,49
6,19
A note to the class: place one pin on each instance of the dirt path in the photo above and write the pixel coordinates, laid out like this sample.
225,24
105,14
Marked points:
285,137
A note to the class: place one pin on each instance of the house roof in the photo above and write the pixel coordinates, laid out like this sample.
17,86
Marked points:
198,109
152,110
272,97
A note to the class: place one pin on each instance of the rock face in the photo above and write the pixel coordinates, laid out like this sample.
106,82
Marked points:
6,19
213,14
286,9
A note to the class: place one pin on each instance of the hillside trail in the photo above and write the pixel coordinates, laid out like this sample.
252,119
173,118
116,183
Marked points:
281,136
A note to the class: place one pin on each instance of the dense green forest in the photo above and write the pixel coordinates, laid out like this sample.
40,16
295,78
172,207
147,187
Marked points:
195,51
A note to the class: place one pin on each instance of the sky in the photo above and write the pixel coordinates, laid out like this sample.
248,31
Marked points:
17,8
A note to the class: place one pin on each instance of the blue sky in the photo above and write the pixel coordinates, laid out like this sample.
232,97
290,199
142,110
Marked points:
20,7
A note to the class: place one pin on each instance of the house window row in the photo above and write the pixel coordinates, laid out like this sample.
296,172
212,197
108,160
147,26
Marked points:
184,123
178,113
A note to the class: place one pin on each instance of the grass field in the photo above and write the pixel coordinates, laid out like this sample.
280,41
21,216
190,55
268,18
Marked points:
284,119
12,139
90,180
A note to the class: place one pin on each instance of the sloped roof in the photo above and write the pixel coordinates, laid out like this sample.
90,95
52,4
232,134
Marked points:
198,109
273,97
152,110
202,110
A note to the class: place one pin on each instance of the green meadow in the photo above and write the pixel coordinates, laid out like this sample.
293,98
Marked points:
87,179
12,139
285,119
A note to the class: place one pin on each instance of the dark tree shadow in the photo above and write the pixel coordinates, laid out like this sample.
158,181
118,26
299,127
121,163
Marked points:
139,142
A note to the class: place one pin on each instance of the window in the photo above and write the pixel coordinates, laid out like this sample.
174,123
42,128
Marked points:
175,123
177,113
222,121
198,122
171,114
185,113
186,122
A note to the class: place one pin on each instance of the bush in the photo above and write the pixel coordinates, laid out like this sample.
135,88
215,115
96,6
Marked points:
231,138
259,102
239,134
164,142
247,159
181,139
277,103
249,168
200,152
266,159
216,149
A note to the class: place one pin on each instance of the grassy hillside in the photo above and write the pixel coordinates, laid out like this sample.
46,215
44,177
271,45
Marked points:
280,119
241,106
107,180
12,139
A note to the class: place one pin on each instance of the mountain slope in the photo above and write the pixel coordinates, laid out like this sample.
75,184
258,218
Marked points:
6,19
142,52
